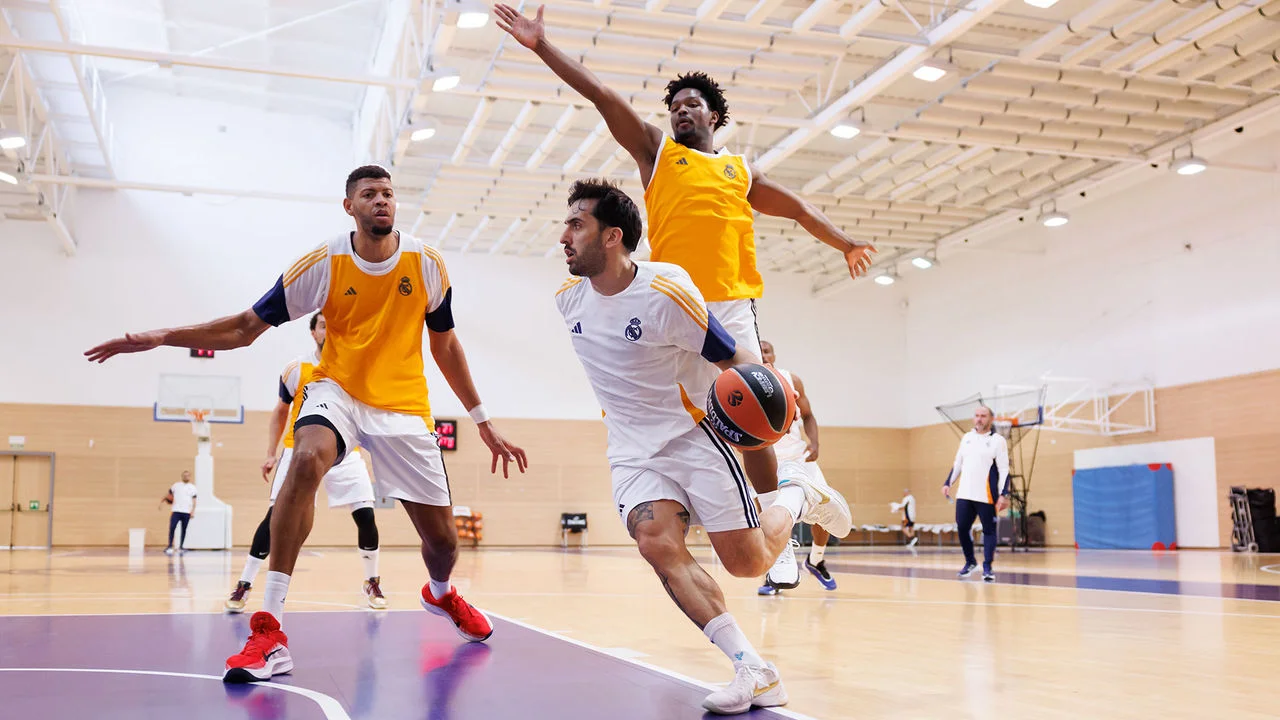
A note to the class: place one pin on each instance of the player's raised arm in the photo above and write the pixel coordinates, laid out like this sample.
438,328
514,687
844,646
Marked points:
770,198
639,138
228,333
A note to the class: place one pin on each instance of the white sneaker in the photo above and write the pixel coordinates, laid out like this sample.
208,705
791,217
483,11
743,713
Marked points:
785,573
752,686
824,506
913,542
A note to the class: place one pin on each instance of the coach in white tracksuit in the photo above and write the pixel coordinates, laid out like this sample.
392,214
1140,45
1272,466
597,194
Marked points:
980,476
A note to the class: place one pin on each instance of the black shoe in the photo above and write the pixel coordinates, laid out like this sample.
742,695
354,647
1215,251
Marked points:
967,570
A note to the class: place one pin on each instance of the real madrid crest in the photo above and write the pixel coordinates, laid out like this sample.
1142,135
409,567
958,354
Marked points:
406,286
729,172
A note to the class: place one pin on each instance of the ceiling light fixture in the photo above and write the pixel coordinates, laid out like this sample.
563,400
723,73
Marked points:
424,133
1190,165
930,70
1042,4
845,131
1050,217
922,262
7,178
11,139
447,81
472,20
886,279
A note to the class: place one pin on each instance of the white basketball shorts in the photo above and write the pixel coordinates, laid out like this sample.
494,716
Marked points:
406,458
698,470
348,483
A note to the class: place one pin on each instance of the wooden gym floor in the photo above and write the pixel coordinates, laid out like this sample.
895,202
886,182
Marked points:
1062,634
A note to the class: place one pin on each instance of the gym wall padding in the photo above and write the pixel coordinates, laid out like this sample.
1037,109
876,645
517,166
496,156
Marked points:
1130,507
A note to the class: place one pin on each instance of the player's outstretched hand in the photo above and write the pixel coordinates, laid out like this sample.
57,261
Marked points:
526,32
130,343
858,258
500,448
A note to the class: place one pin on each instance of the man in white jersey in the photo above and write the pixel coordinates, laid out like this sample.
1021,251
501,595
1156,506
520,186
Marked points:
634,326
348,484
802,450
182,496
908,507
981,471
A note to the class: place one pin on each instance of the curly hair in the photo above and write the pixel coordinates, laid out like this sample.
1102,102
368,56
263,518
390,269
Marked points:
709,88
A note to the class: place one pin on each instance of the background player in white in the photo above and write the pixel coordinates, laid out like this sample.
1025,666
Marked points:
803,451
348,484
981,471
377,288
633,326
182,496
908,507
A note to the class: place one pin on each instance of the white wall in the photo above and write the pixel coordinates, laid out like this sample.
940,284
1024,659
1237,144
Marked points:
1195,481
1115,295
150,260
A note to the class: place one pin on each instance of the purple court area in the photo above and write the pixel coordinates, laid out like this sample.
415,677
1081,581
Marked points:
369,665
1237,591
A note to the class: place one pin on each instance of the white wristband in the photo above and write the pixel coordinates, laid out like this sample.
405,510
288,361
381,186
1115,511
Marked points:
478,414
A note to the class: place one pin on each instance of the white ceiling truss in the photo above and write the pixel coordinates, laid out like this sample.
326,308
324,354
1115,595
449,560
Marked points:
1035,103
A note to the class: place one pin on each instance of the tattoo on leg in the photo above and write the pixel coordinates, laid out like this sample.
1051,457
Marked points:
638,514
666,585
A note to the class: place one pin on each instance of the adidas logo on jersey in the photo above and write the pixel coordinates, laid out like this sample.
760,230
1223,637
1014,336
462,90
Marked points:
577,329
350,291
682,161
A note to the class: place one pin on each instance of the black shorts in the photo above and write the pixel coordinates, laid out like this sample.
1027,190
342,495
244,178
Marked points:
908,523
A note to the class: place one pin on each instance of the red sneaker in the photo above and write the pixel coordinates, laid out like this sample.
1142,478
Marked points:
473,625
264,655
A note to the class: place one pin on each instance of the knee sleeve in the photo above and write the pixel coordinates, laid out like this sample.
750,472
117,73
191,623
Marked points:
366,528
261,546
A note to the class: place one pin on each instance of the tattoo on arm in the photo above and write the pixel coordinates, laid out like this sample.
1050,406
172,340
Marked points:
638,514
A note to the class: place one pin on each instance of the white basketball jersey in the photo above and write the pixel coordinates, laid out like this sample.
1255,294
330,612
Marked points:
791,448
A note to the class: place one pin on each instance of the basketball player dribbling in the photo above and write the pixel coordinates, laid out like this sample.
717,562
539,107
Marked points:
347,485
376,287
795,449
700,205
637,328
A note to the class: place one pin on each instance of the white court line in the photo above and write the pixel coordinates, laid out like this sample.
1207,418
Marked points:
638,663
332,709
1271,569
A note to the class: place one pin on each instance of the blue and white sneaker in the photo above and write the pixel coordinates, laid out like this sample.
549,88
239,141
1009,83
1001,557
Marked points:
967,570
820,571
988,575
767,589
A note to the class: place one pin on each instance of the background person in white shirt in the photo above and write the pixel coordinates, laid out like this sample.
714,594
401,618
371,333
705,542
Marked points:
981,475
182,496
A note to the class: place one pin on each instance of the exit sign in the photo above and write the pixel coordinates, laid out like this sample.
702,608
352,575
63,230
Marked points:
33,505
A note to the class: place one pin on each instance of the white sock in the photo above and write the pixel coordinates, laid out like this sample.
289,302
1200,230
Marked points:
791,497
251,567
369,558
273,592
439,589
816,552
723,630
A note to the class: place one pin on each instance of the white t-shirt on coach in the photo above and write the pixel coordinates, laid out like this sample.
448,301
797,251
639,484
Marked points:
976,456
184,497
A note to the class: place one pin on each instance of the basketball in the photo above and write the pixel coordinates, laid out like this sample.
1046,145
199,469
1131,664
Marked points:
751,406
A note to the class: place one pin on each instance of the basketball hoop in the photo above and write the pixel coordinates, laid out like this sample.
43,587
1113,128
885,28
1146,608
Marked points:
1005,426
200,422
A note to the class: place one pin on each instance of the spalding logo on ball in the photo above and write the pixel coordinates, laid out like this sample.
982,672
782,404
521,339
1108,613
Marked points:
751,406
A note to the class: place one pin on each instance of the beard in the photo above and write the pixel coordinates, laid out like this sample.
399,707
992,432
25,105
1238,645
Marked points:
587,263
375,229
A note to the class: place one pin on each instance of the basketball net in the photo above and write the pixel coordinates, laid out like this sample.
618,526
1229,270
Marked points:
200,423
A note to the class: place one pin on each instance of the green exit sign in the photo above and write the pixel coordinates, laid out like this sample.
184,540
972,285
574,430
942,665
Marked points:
34,505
